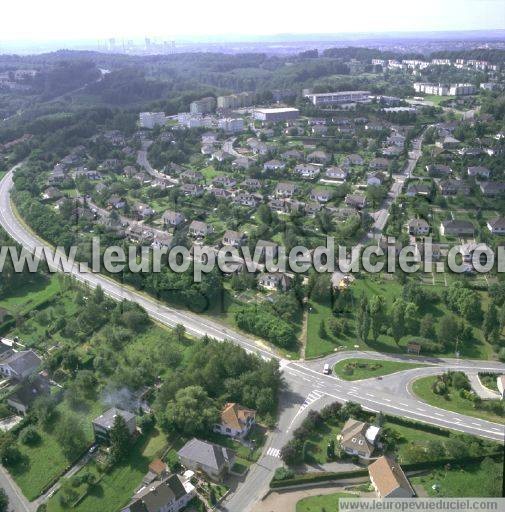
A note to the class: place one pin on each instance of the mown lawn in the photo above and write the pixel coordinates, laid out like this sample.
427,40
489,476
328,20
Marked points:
471,480
357,369
323,503
115,489
453,402
316,345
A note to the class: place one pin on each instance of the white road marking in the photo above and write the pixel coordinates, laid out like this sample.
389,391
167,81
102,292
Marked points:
274,452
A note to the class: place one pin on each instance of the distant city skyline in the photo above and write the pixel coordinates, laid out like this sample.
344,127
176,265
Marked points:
60,20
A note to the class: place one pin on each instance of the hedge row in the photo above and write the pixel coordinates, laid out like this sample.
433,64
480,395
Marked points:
308,478
318,477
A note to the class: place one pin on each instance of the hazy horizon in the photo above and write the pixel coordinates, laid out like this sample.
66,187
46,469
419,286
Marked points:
56,20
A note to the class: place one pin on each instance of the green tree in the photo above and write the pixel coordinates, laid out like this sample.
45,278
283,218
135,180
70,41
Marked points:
71,436
377,315
491,324
119,439
4,501
192,411
322,330
397,320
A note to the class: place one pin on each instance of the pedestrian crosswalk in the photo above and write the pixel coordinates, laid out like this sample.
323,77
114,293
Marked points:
274,452
311,398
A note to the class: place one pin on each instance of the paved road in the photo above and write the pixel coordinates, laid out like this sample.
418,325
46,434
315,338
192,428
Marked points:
306,386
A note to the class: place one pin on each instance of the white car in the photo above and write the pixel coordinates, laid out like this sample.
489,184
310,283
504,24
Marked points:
326,369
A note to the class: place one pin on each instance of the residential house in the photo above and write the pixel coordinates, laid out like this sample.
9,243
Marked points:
307,171
379,164
242,162
161,239
51,194
355,200
453,187
198,229
418,189
457,228
171,494
312,207
192,176
224,181
236,421
285,189
279,205
388,479
192,189
221,155
492,188
274,281
497,226
234,238
471,151
251,184
359,438
391,151
375,179
246,199
353,159
418,227
111,164
103,424
318,156
220,193
321,195
139,233
273,165
116,202
27,392
19,365
396,139
449,142
336,173
478,172
142,211
439,170
292,154
172,219
201,456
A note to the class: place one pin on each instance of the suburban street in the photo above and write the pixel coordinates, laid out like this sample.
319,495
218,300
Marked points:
306,386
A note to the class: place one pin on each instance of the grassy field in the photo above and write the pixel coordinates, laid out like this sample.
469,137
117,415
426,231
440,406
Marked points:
317,346
115,489
356,369
454,402
390,289
471,480
31,295
45,461
323,503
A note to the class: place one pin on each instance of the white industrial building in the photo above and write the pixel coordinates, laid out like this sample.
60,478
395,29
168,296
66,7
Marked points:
338,98
231,125
274,115
445,89
151,119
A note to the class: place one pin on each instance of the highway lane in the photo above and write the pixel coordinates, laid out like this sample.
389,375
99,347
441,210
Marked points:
306,386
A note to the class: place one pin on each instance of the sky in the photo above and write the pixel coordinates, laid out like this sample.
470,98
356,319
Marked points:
50,20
